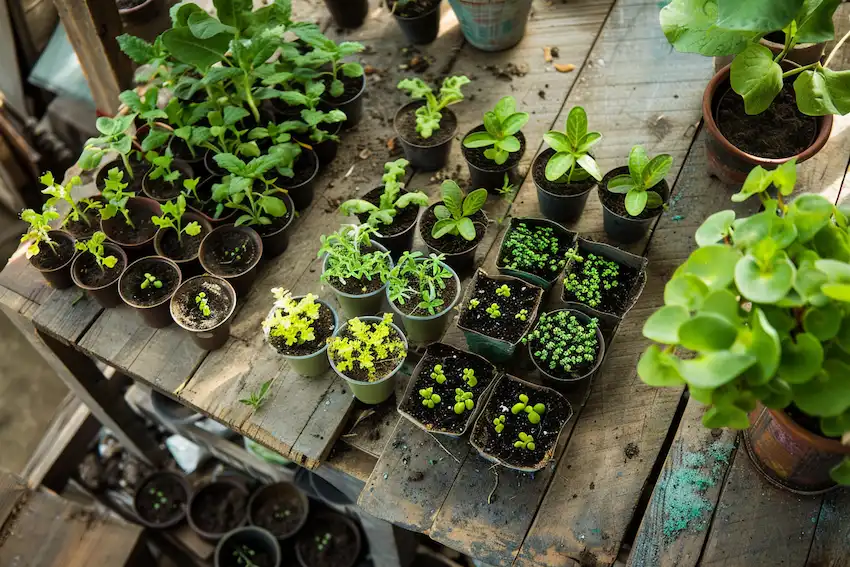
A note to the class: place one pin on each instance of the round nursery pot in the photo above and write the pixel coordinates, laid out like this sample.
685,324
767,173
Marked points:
619,225
326,151
301,187
212,168
276,235
350,101
348,13
82,230
428,154
216,508
789,455
397,237
357,305
493,25
160,500
560,202
802,54
250,543
280,508
723,111
183,156
55,267
379,390
313,363
139,12
486,173
420,21
343,545
233,254
460,254
100,283
184,251
208,332
559,381
164,191
426,329
152,303
136,242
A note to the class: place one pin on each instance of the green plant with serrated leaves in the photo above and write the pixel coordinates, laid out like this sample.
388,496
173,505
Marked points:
429,398
534,411
561,342
420,278
367,345
392,200
161,167
438,375
114,137
500,128
463,401
172,218
116,197
77,208
94,246
644,175
38,231
763,309
257,398
348,257
328,52
312,116
428,115
292,320
250,188
525,441
571,161
455,212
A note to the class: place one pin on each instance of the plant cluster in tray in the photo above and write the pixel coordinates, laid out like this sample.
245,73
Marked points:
353,264
595,281
394,206
367,351
421,286
429,117
501,126
571,162
535,249
298,327
638,187
499,308
563,345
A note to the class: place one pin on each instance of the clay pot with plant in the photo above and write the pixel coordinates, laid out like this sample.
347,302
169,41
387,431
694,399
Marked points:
368,352
390,209
762,109
81,219
761,308
216,508
634,196
426,127
419,20
126,219
565,173
180,235
356,268
50,251
147,286
204,306
160,500
494,149
456,225
232,253
534,250
97,269
280,508
298,328
565,346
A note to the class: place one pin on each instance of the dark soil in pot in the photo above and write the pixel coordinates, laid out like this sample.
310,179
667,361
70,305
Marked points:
301,185
217,508
506,327
616,202
185,310
184,248
352,85
405,125
447,294
554,187
51,258
229,252
253,544
161,499
451,244
412,9
132,278
781,131
342,548
212,167
143,228
401,222
279,508
140,168
616,298
277,224
323,328
90,274
207,207
162,190
181,152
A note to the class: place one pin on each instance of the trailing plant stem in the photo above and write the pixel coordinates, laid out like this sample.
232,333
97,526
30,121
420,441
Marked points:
799,70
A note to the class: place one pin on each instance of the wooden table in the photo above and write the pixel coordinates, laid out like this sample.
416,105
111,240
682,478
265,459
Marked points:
623,477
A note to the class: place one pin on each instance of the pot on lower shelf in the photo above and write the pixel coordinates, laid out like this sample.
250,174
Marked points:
160,500
486,173
216,508
560,202
425,328
620,225
328,540
348,14
151,302
280,508
249,543
233,254
101,288
357,305
137,241
210,329
427,154
55,267
492,26
311,364
423,26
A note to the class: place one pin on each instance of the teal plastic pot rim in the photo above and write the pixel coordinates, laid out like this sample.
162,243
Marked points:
429,317
371,319
600,355
520,274
278,305
381,248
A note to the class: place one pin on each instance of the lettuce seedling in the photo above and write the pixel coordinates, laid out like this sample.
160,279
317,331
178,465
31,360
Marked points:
293,320
571,163
500,126
534,411
644,174
429,398
368,345
172,217
116,197
114,137
525,441
493,311
463,401
473,303
522,315
58,193
38,230
391,200
438,375
94,246
503,291
428,116
454,212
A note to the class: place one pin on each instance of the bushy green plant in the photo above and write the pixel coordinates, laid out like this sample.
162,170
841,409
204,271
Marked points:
762,311
370,344
58,193
116,198
94,246
644,174
429,398
114,137
391,200
172,218
562,343
455,211
249,189
292,320
587,277
463,401
161,167
534,411
428,116
38,230
500,126
347,257
415,276
533,249
329,52
525,441
571,161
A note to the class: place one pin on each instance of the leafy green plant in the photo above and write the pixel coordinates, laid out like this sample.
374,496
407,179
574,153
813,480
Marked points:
203,304
347,258
256,399
391,200
150,281
500,126
248,189
161,167
562,343
428,116
190,189
763,308
595,274
39,230
94,246
415,276
525,441
522,315
503,291
473,303
469,377
499,424
370,344
292,320
454,212
533,249
438,374
329,52
58,193
571,161
114,137
534,411
493,311
644,174
312,115
429,398
463,401
172,218
116,198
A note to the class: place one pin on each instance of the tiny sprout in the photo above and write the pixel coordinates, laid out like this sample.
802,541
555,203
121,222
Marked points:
256,399
438,375
429,398
572,254
151,280
463,401
534,412
203,305
323,541
469,377
499,423
473,303
522,315
243,556
503,291
493,311
525,442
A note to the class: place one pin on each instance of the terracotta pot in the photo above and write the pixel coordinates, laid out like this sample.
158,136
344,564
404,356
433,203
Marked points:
156,315
730,164
790,456
803,54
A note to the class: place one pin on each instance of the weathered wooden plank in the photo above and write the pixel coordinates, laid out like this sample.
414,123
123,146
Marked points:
66,314
832,533
372,433
12,491
20,277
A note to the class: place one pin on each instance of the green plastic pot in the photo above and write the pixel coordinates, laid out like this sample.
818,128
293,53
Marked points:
371,392
307,365
360,305
426,329
533,279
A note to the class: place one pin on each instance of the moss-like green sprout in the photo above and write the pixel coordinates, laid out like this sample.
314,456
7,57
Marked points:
499,424
503,291
429,398
437,374
533,249
469,377
522,315
203,304
563,342
150,280
534,411
463,401
596,274
473,303
525,441
493,311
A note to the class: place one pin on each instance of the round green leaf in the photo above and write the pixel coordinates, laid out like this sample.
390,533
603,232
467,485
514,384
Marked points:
837,291
635,202
686,290
510,144
841,472
822,322
764,286
765,344
466,228
713,369
690,26
842,339
478,140
707,332
809,213
828,394
723,303
558,165
777,395
800,360
836,426
821,91
756,77
725,416
658,368
715,228
714,265
809,281
663,325
702,395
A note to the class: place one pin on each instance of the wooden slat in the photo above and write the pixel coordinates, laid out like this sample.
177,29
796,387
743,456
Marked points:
833,532
12,491
19,276
65,316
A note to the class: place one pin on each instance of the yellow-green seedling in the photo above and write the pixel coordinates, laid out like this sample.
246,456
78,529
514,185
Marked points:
116,197
525,441
77,208
473,303
39,230
522,315
534,411
368,346
256,399
493,311
323,541
94,246
203,304
463,401
429,398
150,280
499,424
437,374
172,218
469,377
293,320
503,291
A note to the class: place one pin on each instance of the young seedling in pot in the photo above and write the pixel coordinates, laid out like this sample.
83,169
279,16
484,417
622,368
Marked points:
38,230
493,311
323,542
438,375
243,556
534,411
94,246
58,193
429,398
522,315
150,281
172,217
293,320
329,52
160,499
463,401
256,399
161,167
473,303
430,275
499,424
203,304
596,274
533,249
312,117
234,255
525,441
369,345
190,189
347,258
114,137
391,200
562,342
428,116
250,189
571,162
116,197
469,377
500,126
503,291
455,211
644,174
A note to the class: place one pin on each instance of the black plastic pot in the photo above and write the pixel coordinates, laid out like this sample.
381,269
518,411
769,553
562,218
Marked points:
240,281
204,189
421,29
424,157
554,206
461,262
177,518
626,229
212,167
492,177
348,13
143,13
353,107
258,540
302,194
59,277
181,153
133,249
275,243
157,315
213,336
326,151
558,382
106,295
221,487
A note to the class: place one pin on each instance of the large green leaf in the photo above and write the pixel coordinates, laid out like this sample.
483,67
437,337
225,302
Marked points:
587,163
784,177
659,368
765,345
200,53
756,77
558,165
756,15
758,180
833,243
635,202
814,21
754,230
821,91
828,394
576,125
557,141
723,303
713,369
686,290
233,12
707,332
822,322
137,49
655,171
725,416
638,160
452,197
715,228
801,359
837,425
663,325
764,285
690,26
835,270
809,213
714,265
204,26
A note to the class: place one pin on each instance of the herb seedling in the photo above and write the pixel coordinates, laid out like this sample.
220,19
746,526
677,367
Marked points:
463,401
571,163
561,342
38,230
525,441
114,137
243,555
293,320
248,189
347,258
203,304
596,274
438,375
94,246
161,167
522,315
534,411
370,344
312,117
172,218
236,254
77,209
415,275
473,303
428,116
391,200
455,211
499,424
429,398
160,499
644,174
257,398
469,377
327,51
503,291
500,125
150,281
323,541
190,189
533,249
116,197
493,311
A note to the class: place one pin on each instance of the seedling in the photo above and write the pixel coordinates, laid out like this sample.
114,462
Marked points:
190,189
293,320
243,555
328,51
571,163
428,116
455,211
493,311
323,542
347,258
312,117
77,209
160,499
506,192
236,254
463,401
530,248
534,411
282,514
499,424
596,274
391,200
150,281
161,167
94,246
438,375
369,345
38,230
644,174
203,304
503,291
116,197
469,377
425,277
257,398
114,137
500,125
248,189
522,315
562,342
525,441
172,218
429,398
473,303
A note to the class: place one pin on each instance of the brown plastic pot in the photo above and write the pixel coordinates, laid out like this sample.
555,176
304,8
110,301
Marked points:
802,54
106,295
189,266
275,243
241,281
157,315
205,190
133,249
730,164
788,455
59,277
214,335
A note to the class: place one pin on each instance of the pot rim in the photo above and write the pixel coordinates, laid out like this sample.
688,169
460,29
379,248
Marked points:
824,443
225,320
573,236
204,486
184,168
300,496
421,16
540,188
600,355
62,234
266,331
167,298
160,234
131,11
823,133
389,375
381,248
419,102
183,509
429,317
475,243
255,237
136,245
112,249
504,168
352,99
310,179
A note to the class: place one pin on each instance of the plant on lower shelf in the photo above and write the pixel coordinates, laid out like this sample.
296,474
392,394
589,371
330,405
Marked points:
420,278
366,347
391,199
562,345
533,249
78,209
500,126
596,274
455,211
243,556
293,320
349,256
94,246
172,218
38,230
571,161
256,399
764,305
644,174
428,116
116,197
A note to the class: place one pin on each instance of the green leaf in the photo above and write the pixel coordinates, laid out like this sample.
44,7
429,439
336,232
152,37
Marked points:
230,162
802,358
837,425
514,123
136,48
655,171
757,181
822,322
723,303
828,394
765,345
181,11
835,270
510,144
725,416
756,15
756,77
273,205
821,91
558,165
352,70
814,21
478,140
784,177
809,213
204,26
836,291
713,369
840,473
576,125
452,197
751,231
638,160
589,140
443,227
621,184
635,202
466,228
767,285
233,12
690,26
473,202
686,290
587,163
714,265
663,325
659,368
200,53
707,332
715,228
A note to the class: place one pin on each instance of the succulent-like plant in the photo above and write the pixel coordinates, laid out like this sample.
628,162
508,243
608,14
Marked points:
429,398
499,424
534,411
533,249
203,304
500,126
463,401
587,277
525,441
